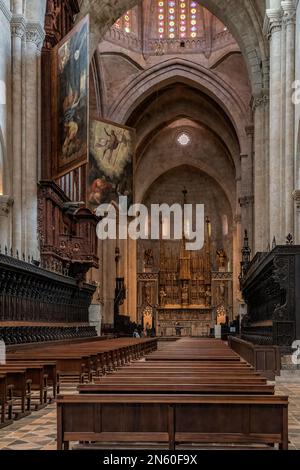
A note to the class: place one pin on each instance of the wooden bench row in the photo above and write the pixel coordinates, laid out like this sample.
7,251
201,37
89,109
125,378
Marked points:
81,361
172,420
193,392
31,377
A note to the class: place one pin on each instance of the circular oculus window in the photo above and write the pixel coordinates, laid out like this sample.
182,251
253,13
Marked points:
183,139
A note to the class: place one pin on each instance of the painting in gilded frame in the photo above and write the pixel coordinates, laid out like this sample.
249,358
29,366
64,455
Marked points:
112,149
71,99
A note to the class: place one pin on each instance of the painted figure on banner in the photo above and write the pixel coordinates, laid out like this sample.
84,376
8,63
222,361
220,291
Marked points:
72,98
111,163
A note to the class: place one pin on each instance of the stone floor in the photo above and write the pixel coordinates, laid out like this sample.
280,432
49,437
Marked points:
38,431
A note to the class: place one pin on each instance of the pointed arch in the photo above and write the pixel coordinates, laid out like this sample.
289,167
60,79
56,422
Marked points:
242,17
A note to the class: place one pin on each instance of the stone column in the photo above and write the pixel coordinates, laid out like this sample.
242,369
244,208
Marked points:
246,199
6,203
261,168
237,246
296,197
95,317
18,28
34,41
276,222
132,279
289,19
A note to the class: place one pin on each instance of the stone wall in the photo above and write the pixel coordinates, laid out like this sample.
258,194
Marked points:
22,34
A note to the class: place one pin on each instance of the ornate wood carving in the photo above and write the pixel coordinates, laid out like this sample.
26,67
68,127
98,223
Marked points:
32,294
67,233
270,288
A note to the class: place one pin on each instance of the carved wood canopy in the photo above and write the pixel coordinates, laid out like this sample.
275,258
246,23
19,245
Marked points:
67,232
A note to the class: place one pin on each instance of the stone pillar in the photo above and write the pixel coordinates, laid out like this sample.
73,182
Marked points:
95,317
275,161
34,41
289,19
246,199
6,203
246,203
132,279
237,246
261,169
18,28
296,197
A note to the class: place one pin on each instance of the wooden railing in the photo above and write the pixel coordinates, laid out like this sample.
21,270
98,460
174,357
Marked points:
265,359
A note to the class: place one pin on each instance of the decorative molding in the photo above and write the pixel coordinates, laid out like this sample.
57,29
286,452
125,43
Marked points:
6,12
289,12
128,40
273,22
296,197
246,201
259,101
147,276
219,276
35,34
18,26
237,219
249,130
5,204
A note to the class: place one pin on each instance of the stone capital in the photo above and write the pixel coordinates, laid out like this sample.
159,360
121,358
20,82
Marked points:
246,201
18,26
5,205
258,101
249,130
273,22
296,197
35,34
237,219
289,11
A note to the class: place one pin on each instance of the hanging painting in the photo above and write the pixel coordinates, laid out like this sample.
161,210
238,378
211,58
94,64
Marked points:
111,163
70,99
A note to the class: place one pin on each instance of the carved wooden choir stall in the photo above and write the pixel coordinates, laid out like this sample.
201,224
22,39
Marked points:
270,284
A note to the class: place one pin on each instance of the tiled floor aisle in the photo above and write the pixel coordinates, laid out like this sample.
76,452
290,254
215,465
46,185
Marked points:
38,431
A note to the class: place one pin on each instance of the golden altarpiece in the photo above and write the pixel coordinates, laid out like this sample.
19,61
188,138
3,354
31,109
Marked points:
182,291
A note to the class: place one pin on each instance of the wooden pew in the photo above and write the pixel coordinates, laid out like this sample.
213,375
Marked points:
82,360
175,387
21,390
53,379
265,359
191,392
6,402
172,420
36,374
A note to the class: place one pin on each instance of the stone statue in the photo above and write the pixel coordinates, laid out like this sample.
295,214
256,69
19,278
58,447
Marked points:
185,294
221,293
208,296
148,258
147,293
221,260
162,296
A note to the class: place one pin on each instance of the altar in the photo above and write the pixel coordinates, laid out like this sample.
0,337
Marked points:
184,292
193,321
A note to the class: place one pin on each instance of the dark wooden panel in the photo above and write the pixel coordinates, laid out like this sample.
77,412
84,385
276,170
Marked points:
265,359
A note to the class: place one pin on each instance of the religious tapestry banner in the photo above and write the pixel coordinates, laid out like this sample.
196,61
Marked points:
112,149
70,64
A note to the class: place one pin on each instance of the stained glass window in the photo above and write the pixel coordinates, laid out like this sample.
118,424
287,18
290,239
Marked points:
178,19
125,22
